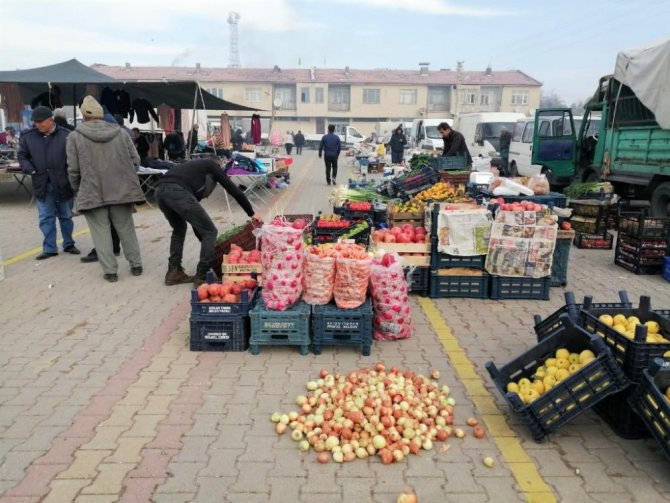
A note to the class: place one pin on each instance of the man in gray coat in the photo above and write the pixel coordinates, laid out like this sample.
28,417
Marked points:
102,163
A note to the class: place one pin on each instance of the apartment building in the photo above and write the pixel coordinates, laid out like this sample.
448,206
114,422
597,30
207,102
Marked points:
310,99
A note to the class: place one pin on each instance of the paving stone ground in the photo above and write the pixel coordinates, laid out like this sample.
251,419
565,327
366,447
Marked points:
101,399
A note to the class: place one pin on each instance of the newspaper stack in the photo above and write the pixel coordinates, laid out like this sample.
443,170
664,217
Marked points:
463,232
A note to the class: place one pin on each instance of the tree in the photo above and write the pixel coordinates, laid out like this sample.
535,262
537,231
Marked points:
577,108
551,100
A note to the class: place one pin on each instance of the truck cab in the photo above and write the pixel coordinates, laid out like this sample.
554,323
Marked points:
425,134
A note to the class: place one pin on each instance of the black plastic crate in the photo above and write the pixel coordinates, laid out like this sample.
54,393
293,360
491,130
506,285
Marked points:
652,249
596,209
634,355
568,398
588,225
449,163
645,227
505,287
322,235
651,403
444,287
426,177
602,241
559,265
635,266
332,326
617,412
229,333
280,328
553,199
418,280
214,309
444,260
543,328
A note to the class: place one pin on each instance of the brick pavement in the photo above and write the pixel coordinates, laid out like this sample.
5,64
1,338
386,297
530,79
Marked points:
102,401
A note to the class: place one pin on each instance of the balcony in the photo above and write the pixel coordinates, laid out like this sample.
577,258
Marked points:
339,107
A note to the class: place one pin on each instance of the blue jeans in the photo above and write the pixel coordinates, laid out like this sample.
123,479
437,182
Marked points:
48,209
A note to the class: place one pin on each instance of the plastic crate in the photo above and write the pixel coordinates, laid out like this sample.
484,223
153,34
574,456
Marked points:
543,328
229,333
634,355
280,328
455,178
244,239
568,398
214,309
589,225
645,227
504,287
652,405
646,250
330,235
444,260
552,199
417,281
449,163
411,182
332,326
593,209
444,287
617,412
350,214
587,241
559,267
636,266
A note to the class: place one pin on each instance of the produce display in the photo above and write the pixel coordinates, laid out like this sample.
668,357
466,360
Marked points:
372,412
238,256
361,206
412,206
626,327
584,189
406,233
443,191
282,259
546,376
390,301
226,292
342,194
361,226
352,275
230,233
318,274
330,221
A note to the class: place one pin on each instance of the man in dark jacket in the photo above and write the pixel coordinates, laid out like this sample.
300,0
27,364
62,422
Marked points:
60,118
454,143
330,147
42,155
299,142
192,142
237,140
397,144
178,194
505,140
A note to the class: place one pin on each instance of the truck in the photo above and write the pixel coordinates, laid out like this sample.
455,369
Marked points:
349,136
482,131
425,135
631,145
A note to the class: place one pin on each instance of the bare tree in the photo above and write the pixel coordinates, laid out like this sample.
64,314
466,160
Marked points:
551,99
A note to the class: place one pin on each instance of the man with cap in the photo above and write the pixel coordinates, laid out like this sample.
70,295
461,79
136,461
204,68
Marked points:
102,164
42,156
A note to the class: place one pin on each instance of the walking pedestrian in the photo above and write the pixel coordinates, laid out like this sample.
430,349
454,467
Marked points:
42,156
192,143
505,140
454,143
330,147
299,142
288,142
178,194
102,165
397,143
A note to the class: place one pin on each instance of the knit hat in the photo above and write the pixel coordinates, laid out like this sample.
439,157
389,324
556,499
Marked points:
41,113
90,108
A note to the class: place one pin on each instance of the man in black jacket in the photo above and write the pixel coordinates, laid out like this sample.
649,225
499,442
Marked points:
330,147
454,143
42,155
178,194
299,142
397,143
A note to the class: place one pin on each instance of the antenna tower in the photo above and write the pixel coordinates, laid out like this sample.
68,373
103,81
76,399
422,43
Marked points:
233,21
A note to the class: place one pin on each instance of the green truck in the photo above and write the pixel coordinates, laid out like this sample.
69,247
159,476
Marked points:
630,145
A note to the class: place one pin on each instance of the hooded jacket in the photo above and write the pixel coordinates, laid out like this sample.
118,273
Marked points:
102,164
43,157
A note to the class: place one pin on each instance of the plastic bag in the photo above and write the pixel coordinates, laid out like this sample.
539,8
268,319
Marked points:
318,275
352,275
539,185
282,260
390,301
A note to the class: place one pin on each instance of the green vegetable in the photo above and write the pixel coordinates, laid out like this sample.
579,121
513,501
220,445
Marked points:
230,233
582,189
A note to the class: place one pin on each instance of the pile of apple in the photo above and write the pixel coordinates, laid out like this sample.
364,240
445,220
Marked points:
518,205
406,233
228,292
238,256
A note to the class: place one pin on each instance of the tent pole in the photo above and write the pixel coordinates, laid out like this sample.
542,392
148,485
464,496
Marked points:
74,103
195,102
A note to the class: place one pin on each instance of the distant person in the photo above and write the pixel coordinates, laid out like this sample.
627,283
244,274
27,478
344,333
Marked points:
192,141
397,144
11,139
330,147
174,145
60,118
288,142
237,140
102,164
299,142
142,146
42,156
454,143
505,140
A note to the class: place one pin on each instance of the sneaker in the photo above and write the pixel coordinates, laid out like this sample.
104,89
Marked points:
334,181
112,278
136,271
73,250
91,257
45,255
176,276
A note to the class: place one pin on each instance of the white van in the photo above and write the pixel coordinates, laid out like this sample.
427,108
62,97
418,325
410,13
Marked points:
425,135
482,131
521,146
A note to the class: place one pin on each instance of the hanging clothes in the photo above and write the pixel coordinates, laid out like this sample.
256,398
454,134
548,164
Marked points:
165,117
12,101
256,129
225,129
142,108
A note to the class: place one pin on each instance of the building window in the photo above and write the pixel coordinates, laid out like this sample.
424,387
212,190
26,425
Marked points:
304,95
519,97
318,95
408,96
484,99
438,99
338,98
285,94
468,97
216,91
371,96
252,94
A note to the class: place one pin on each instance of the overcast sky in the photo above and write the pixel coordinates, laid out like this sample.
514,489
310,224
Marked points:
566,44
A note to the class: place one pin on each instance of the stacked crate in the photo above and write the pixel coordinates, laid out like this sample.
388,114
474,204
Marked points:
280,328
589,221
642,244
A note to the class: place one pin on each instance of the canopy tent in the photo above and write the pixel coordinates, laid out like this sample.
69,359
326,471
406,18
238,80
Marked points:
646,70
